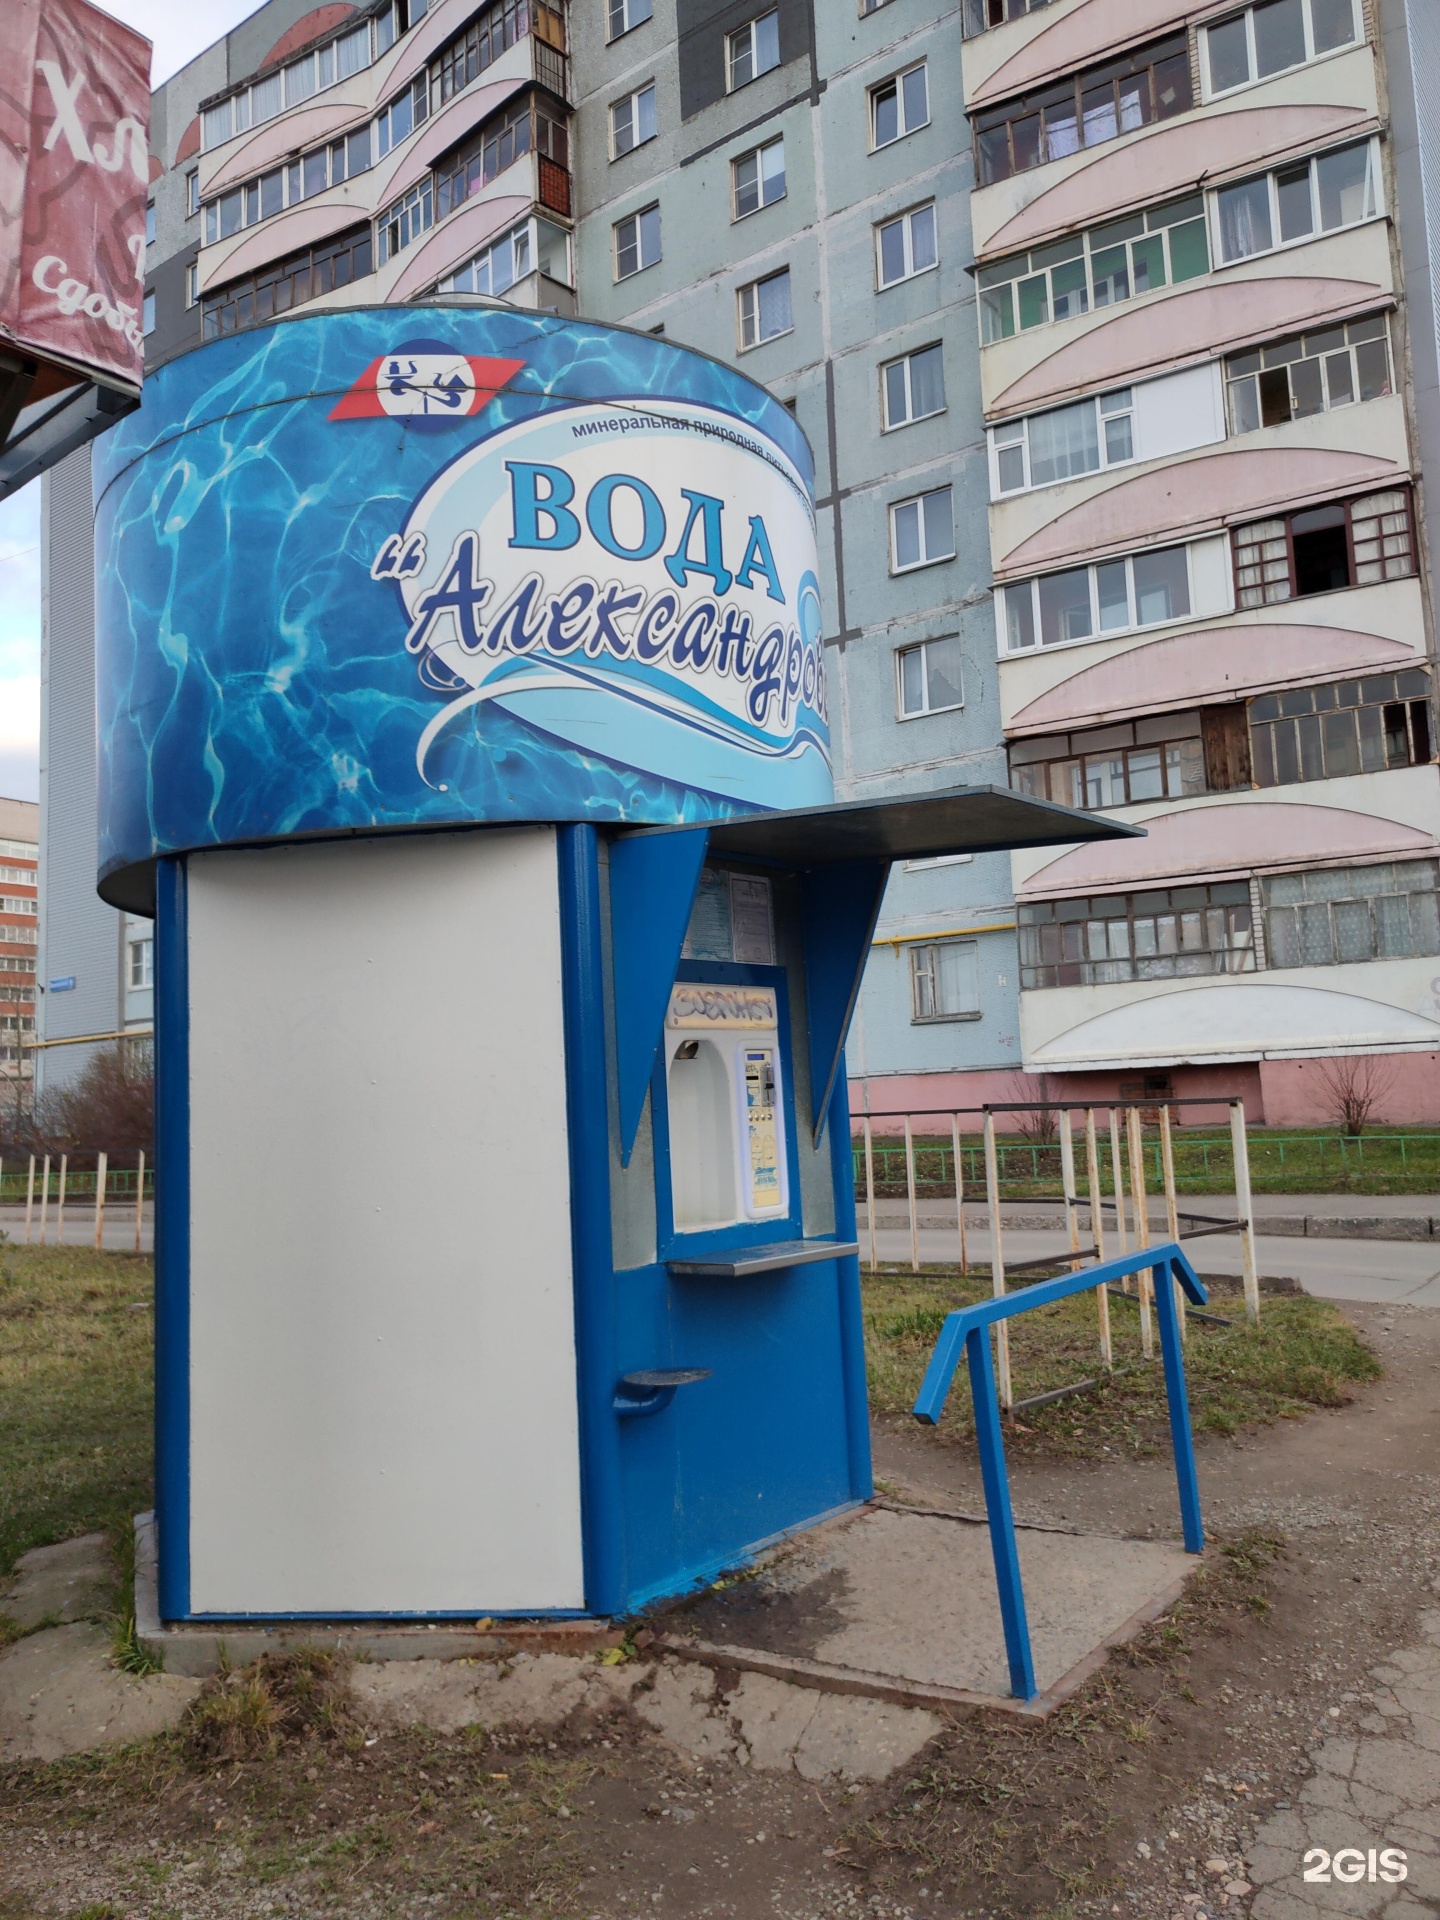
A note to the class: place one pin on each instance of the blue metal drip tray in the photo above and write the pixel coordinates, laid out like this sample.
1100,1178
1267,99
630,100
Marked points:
748,1260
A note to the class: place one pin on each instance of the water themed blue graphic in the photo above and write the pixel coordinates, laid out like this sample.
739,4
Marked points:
338,588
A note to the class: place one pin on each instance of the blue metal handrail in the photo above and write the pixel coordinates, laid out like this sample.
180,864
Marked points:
968,1330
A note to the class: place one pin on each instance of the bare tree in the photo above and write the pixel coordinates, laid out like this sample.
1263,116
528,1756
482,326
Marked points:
111,1105
1040,1129
1355,1084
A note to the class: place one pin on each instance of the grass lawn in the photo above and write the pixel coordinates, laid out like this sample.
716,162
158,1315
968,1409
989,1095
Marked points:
1303,1354
75,1396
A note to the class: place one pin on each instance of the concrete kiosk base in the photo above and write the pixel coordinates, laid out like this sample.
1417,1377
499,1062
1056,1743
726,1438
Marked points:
900,1604
893,1603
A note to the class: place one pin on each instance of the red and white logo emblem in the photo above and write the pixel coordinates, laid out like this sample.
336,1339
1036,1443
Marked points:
422,383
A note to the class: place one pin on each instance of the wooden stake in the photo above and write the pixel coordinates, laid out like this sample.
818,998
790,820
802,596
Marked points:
1172,1211
29,1199
1140,1218
139,1199
1097,1227
44,1196
997,1258
1245,1207
102,1165
959,1188
870,1190
1067,1180
60,1208
910,1196
1122,1244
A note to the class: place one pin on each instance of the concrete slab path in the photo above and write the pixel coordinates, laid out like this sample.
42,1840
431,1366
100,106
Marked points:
1366,1825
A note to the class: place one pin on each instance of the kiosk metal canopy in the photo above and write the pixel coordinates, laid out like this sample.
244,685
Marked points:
917,827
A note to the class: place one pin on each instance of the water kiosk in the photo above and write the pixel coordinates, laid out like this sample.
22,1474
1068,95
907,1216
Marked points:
463,725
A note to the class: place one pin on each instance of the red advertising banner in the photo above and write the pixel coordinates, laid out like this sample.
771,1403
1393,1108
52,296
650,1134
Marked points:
74,180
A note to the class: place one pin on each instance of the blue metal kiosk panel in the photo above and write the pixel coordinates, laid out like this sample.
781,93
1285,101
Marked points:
757,1450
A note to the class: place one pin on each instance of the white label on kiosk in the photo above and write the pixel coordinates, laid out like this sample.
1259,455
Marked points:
765,1194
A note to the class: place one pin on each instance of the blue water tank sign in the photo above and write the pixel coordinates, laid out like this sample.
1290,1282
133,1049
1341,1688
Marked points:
525,569
63,984
839,906
653,877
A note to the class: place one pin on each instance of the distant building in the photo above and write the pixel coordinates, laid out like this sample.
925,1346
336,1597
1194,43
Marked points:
19,933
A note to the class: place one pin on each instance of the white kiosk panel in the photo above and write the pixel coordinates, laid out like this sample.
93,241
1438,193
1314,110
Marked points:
382,1374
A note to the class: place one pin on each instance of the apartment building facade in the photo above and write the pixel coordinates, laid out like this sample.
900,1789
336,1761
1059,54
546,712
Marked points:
787,186
19,939
1207,363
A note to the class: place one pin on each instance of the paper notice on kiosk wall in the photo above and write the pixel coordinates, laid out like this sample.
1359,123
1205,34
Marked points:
732,919
752,925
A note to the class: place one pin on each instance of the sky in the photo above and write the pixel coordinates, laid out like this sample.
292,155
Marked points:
179,29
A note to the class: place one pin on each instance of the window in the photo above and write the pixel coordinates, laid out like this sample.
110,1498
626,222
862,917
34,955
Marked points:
1113,596
398,120
534,244
757,178
1101,268
1340,914
142,963
930,677
502,140
321,67
922,530
192,193
1311,373
1171,933
906,246
192,284
1045,448
1150,84
1271,38
632,121
899,106
288,283
872,6
637,242
20,936
913,388
945,981
1343,727
1346,543
765,309
980,14
287,186
1294,203
406,220
625,14
149,223
147,321
752,50
479,45
1158,758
